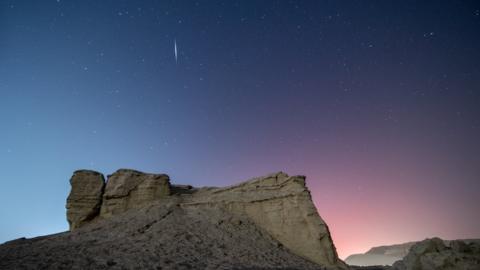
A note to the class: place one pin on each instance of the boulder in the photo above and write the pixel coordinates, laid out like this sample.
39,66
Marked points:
129,189
434,254
85,199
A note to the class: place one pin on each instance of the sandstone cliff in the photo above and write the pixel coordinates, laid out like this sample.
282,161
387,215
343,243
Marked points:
282,206
138,218
163,236
85,199
129,189
279,204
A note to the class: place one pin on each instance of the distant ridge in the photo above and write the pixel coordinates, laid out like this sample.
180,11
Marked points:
388,254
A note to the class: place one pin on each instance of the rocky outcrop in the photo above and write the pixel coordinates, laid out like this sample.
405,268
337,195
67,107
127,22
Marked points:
435,254
278,204
125,189
282,206
85,199
129,189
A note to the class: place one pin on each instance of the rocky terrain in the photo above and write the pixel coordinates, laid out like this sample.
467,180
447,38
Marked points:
388,255
136,220
436,254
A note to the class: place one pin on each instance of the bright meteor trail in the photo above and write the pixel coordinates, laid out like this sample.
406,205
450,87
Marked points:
175,49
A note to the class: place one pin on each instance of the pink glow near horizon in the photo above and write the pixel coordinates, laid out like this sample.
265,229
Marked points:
381,189
361,217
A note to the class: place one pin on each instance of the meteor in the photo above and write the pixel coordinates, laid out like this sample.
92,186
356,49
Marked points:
175,50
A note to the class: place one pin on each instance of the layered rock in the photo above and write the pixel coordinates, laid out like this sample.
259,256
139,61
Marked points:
163,236
129,189
278,204
85,199
435,254
282,206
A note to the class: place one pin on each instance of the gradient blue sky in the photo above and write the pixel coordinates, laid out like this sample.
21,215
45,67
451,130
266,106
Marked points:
377,102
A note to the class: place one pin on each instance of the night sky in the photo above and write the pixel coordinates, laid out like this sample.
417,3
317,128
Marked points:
376,102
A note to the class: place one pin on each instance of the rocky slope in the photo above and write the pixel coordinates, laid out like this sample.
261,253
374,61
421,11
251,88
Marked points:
141,221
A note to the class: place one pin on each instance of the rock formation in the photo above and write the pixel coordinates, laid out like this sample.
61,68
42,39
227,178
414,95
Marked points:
266,222
85,199
163,236
434,254
282,206
141,221
129,189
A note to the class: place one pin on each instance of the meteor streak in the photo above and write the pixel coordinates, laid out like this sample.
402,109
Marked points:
175,50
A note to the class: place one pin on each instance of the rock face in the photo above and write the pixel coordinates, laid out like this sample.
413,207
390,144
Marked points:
85,199
282,206
434,254
129,189
275,212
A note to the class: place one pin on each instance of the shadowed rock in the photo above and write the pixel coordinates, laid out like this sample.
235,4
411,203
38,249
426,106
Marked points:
434,254
85,199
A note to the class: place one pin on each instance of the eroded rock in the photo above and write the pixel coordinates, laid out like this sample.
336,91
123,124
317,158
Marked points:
277,204
129,189
282,206
85,199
